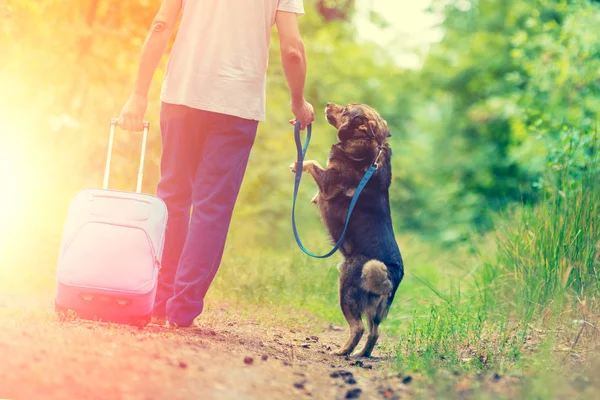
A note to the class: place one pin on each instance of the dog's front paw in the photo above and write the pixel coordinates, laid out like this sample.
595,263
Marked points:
293,167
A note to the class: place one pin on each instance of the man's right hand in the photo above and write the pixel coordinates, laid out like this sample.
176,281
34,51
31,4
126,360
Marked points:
304,112
132,115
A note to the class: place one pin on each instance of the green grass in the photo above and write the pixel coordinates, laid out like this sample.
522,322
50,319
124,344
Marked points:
553,251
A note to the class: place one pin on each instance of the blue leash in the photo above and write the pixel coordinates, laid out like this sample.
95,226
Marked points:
301,154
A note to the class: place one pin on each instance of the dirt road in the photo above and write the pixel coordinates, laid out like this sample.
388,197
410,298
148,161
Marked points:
232,356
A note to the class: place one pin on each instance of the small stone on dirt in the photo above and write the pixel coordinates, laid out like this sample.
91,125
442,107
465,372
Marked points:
305,345
342,373
580,383
264,357
353,393
497,377
350,380
299,385
407,380
248,360
182,365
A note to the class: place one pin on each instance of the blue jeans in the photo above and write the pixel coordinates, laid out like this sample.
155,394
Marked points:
204,157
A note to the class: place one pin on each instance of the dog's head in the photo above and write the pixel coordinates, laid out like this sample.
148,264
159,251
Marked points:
357,121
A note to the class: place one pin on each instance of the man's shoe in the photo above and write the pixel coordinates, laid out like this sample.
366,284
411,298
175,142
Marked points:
176,327
159,320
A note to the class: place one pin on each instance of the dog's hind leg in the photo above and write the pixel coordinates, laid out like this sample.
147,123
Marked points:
375,314
373,323
357,328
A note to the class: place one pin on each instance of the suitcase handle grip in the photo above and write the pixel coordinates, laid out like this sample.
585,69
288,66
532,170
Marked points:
113,123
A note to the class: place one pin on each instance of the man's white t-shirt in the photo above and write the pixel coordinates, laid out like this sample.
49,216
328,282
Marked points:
219,59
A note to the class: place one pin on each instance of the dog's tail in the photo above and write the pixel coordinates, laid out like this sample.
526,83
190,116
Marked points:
375,278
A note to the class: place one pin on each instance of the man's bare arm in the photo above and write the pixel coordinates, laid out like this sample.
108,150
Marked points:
156,43
153,49
293,58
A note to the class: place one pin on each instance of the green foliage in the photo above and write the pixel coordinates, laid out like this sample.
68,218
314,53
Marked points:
558,47
553,249
496,91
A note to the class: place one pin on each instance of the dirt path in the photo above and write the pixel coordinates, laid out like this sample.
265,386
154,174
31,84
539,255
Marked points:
229,357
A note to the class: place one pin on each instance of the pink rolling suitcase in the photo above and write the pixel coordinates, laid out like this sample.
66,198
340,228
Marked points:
110,252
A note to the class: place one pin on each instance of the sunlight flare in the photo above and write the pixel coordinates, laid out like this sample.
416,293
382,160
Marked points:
12,166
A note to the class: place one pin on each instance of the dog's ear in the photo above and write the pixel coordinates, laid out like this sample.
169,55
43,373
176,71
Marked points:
365,128
345,132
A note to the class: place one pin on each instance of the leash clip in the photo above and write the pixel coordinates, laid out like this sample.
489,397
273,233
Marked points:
376,162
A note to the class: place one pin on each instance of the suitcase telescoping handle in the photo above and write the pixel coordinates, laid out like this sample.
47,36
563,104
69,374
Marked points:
113,123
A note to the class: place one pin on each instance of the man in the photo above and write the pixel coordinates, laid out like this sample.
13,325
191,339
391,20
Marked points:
213,98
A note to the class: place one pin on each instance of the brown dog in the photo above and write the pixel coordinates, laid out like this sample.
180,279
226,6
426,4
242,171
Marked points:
372,269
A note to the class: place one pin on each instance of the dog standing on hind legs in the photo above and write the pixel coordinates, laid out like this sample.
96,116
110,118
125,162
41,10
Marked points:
373,268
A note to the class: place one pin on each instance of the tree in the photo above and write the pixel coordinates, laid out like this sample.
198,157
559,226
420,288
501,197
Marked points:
507,75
